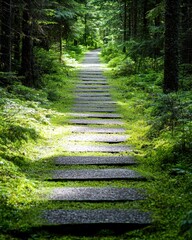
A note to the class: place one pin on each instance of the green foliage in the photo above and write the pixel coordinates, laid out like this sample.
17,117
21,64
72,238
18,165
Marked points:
186,226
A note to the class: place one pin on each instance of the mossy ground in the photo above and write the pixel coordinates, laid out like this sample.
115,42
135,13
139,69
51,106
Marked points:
26,162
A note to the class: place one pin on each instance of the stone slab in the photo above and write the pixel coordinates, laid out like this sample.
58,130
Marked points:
93,90
88,160
94,82
101,174
89,109
95,217
85,129
109,138
97,102
96,121
92,77
82,86
103,99
93,94
96,194
95,115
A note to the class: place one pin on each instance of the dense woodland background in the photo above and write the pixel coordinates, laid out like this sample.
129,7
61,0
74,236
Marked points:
148,46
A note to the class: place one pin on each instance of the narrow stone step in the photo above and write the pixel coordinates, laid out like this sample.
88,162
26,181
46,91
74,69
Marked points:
96,121
94,82
89,148
103,99
93,95
92,86
95,104
99,175
110,138
98,103
97,217
85,129
92,78
95,115
88,160
89,109
96,194
91,90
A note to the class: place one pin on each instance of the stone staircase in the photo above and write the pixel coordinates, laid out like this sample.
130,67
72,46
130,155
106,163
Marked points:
96,128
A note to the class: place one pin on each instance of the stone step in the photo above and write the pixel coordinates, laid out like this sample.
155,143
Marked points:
95,104
86,129
95,115
94,83
89,109
92,86
110,138
96,121
89,160
96,194
92,77
93,99
90,90
98,102
92,95
90,148
105,218
99,175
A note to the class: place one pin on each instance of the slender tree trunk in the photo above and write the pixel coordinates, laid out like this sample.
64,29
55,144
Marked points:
170,83
27,62
125,26
17,36
6,35
186,32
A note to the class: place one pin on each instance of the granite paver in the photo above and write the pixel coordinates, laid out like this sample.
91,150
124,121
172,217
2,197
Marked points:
96,194
90,148
90,160
95,115
96,121
109,138
86,129
89,109
90,217
101,174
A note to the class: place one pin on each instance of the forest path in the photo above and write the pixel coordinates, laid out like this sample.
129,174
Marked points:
97,151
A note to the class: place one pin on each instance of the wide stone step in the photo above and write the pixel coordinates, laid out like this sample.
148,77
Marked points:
103,99
95,115
91,90
98,103
93,78
110,138
89,109
94,82
85,129
89,160
99,175
89,148
96,194
97,217
83,86
96,121
93,95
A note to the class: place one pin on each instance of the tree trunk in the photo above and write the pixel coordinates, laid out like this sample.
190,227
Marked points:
6,35
17,36
186,32
27,62
170,83
125,26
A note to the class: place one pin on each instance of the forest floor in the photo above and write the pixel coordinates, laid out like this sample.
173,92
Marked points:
27,178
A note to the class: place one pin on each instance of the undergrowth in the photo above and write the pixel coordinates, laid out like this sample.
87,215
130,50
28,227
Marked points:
160,127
